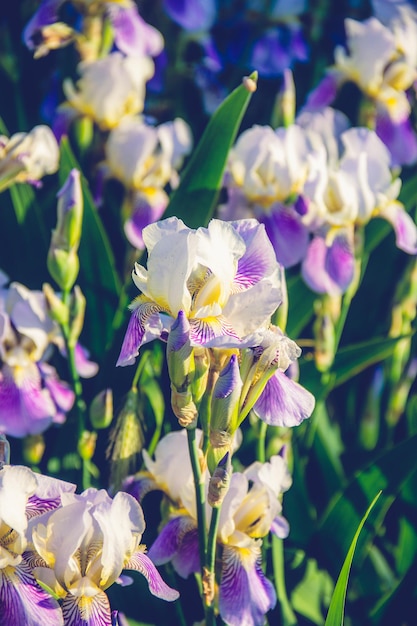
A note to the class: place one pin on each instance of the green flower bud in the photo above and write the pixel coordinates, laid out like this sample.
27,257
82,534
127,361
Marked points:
33,449
67,234
77,313
57,309
219,482
87,445
101,409
63,266
180,354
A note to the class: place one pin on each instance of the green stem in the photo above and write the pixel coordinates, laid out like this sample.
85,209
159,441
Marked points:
260,446
199,494
288,616
211,562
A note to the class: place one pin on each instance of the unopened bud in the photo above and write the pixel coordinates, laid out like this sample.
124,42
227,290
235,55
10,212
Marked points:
184,408
63,266
101,409
33,449
219,482
57,309
67,234
87,445
202,368
180,354
221,443
77,313
226,395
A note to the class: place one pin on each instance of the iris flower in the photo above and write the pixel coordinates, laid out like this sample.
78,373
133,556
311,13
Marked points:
224,278
24,496
83,547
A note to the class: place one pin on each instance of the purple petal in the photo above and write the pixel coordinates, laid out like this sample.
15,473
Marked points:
132,35
400,139
143,564
216,332
192,14
144,214
177,542
245,594
324,94
46,14
340,262
85,367
404,227
284,402
139,485
86,611
61,392
280,527
24,602
259,259
25,410
288,235
313,269
133,338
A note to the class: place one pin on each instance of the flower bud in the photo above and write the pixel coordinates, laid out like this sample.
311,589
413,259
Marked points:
33,449
184,408
101,409
180,354
56,308
67,234
87,445
226,395
63,266
219,482
77,312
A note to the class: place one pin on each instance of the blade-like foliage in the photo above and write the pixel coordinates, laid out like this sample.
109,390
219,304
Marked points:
195,198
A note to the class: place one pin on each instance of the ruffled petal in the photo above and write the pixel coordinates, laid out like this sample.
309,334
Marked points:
213,331
143,564
177,542
340,262
132,35
22,600
284,402
86,610
313,269
135,334
288,235
259,259
403,225
26,410
245,594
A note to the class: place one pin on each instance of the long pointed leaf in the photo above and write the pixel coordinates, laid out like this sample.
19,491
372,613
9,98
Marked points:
335,615
195,198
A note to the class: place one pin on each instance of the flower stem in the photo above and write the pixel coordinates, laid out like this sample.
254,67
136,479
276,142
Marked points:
199,494
288,616
261,441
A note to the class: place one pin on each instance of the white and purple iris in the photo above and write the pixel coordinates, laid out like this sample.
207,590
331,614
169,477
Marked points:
81,549
23,497
32,397
251,509
224,278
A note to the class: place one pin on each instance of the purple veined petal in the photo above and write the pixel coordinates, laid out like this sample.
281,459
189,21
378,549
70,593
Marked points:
324,94
86,611
245,594
61,392
213,331
280,527
399,137
132,35
177,542
259,259
192,14
228,380
46,14
24,602
136,333
144,214
340,262
403,225
284,402
287,234
25,410
313,269
139,485
143,564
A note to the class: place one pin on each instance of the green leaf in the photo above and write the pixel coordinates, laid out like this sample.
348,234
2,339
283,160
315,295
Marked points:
195,197
349,361
301,305
335,615
312,593
388,472
98,278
